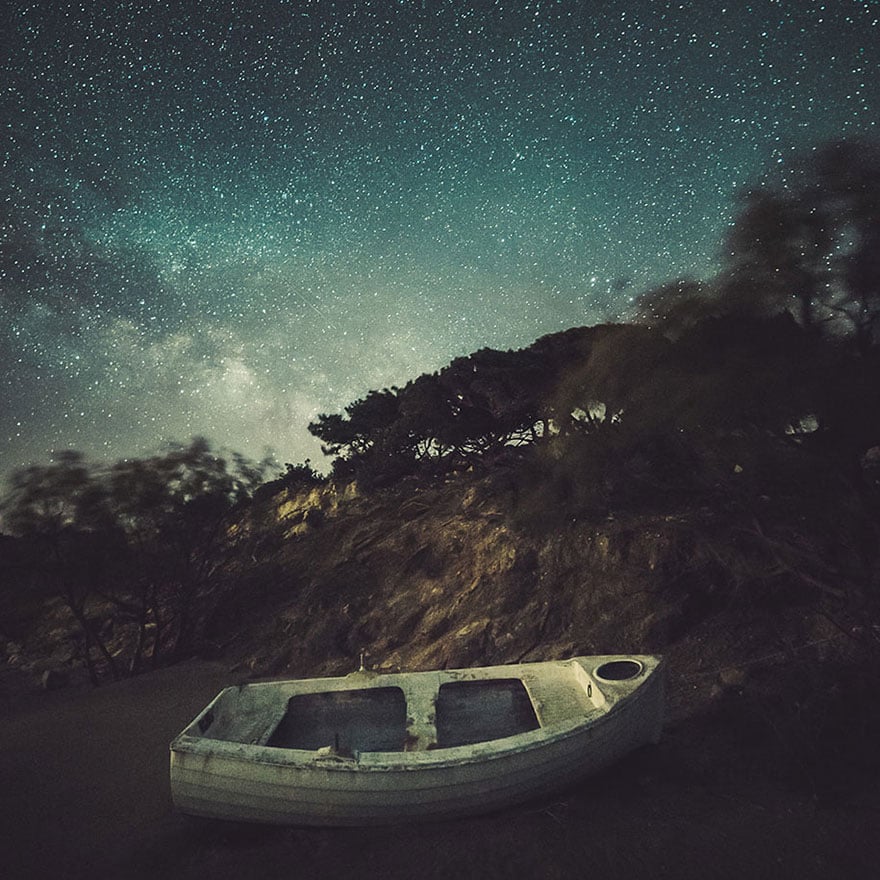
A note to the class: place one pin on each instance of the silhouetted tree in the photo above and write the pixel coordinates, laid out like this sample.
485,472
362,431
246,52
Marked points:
62,509
173,509
359,430
146,535
474,406
810,247
848,183
777,254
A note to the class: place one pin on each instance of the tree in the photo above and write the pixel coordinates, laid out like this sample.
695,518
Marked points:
62,511
848,179
811,247
173,509
358,431
777,255
498,397
146,535
473,407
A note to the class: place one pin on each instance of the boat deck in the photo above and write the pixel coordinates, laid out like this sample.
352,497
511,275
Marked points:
556,697
365,712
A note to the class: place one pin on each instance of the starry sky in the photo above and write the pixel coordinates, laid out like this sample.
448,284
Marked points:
221,219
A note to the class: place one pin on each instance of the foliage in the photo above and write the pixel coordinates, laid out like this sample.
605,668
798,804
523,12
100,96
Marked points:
296,477
366,420
143,534
757,387
465,413
807,247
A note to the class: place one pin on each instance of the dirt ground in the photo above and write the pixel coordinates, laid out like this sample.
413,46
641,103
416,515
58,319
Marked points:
84,793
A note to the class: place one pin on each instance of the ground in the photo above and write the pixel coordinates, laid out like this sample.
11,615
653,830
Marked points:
85,794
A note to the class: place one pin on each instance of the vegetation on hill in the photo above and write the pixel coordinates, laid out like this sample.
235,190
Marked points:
704,480
129,549
783,341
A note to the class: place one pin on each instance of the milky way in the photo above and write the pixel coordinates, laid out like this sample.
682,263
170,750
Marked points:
225,218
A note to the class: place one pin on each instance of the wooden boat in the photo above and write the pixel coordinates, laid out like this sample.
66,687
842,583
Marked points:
372,748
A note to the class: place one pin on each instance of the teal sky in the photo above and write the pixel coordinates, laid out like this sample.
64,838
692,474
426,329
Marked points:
225,218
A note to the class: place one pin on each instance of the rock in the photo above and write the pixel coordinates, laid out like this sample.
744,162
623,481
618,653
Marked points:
54,679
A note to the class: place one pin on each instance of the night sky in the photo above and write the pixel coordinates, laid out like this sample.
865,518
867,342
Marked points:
224,218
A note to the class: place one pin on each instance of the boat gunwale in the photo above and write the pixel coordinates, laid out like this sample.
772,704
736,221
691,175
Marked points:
490,750
428,759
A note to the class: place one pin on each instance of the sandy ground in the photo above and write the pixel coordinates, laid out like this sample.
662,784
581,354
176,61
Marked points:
84,793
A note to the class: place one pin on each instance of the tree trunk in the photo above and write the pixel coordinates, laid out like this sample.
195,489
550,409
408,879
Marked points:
77,608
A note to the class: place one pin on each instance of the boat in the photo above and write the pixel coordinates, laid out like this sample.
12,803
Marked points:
374,748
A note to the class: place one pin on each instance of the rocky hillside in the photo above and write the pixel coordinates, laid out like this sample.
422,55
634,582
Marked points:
442,576
759,606
476,570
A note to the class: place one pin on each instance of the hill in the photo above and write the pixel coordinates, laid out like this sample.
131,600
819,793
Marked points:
745,554
663,499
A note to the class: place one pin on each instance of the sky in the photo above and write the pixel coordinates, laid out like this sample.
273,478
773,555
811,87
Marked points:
222,219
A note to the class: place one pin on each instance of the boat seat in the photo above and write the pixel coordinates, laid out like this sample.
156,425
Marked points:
253,728
421,710
557,698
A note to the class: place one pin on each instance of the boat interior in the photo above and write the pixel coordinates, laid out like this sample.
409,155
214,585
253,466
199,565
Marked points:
375,719
368,712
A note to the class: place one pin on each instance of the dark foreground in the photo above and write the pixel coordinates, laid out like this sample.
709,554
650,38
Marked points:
84,793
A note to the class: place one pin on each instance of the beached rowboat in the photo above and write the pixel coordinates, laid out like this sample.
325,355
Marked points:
372,748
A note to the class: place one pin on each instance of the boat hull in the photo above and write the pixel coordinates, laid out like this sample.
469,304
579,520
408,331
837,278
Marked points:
252,781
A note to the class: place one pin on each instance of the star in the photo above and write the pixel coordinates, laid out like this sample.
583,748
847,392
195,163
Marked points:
222,222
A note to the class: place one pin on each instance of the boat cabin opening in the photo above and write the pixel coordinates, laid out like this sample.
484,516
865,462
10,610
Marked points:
619,670
471,712
375,719
368,720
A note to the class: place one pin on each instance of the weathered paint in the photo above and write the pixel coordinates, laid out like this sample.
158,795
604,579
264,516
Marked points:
223,765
